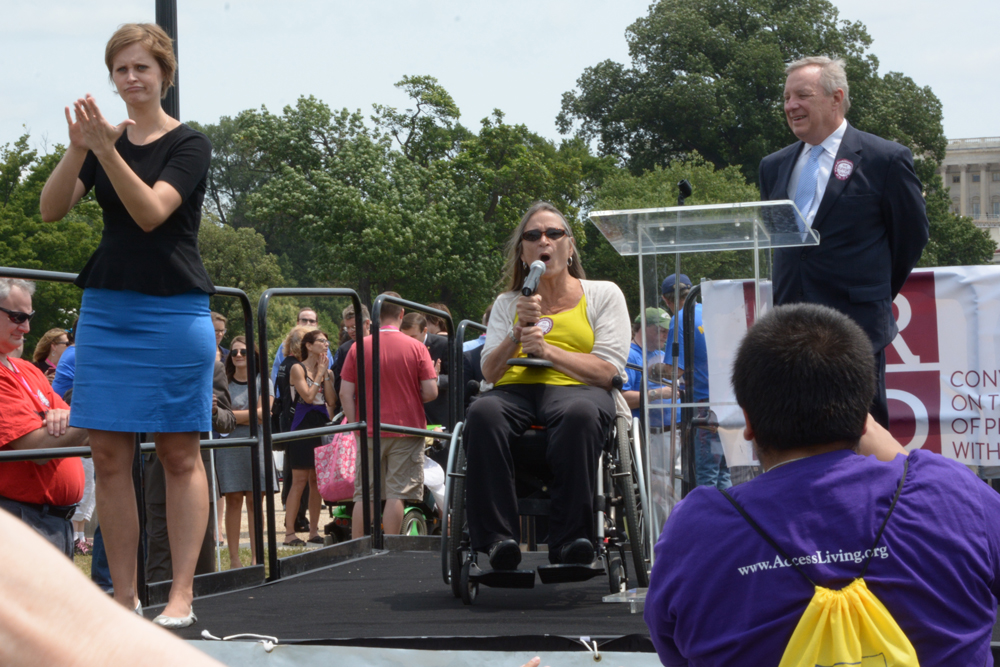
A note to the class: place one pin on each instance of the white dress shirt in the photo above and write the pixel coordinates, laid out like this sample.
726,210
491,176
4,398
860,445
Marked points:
830,147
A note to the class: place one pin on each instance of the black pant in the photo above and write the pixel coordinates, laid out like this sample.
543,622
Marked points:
58,530
577,419
159,565
880,403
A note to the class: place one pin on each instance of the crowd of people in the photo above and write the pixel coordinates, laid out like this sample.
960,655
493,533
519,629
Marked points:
743,574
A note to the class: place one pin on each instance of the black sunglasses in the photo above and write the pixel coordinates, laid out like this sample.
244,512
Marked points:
554,233
239,353
17,317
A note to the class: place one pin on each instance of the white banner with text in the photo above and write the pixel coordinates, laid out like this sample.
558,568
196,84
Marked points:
942,370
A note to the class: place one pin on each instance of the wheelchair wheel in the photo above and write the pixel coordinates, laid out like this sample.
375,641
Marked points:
456,517
627,485
469,589
414,522
617,577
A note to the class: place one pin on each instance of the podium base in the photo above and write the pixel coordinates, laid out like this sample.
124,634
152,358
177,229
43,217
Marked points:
529,361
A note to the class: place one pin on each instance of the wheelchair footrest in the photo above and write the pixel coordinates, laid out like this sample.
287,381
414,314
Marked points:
560,574
502,578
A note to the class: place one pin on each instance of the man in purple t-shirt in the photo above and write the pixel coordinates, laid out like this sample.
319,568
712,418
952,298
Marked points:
720,595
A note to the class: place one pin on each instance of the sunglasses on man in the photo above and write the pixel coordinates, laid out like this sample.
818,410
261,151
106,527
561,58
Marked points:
534,235
17,317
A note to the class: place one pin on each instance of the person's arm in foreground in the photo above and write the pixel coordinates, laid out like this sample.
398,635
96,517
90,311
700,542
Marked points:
52,615
878,442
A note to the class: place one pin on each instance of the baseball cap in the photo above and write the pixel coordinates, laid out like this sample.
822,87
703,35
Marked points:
656,316
668,283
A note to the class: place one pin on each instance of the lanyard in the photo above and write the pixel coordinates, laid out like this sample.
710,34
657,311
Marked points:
36,398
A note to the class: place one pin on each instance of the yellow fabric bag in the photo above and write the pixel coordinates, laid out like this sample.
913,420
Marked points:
846,627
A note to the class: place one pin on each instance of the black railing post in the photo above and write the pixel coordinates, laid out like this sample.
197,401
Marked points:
266,437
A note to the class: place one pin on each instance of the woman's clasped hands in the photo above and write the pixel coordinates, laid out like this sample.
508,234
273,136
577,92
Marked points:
91,130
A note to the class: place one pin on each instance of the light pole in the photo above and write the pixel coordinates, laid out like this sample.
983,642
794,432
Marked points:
166,18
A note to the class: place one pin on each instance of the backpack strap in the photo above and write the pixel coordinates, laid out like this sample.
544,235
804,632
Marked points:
781,552
767,538
878,537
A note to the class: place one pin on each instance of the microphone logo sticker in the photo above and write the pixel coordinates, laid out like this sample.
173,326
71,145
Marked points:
545,324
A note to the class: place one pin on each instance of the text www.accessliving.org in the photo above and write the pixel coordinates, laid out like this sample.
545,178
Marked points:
818,558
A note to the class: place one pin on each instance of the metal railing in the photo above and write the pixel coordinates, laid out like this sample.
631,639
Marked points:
253,442
269,438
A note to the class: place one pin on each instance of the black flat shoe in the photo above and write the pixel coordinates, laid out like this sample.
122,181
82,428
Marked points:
578,552
505,555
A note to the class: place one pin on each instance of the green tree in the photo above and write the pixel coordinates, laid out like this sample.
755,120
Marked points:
238,258
657,188
27,242
954,239
359,212
430,131
707,75
413,201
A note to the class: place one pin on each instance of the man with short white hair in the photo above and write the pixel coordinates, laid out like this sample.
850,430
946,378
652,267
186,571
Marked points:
863,197
43,494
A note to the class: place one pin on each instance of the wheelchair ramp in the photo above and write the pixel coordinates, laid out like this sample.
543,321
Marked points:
397,600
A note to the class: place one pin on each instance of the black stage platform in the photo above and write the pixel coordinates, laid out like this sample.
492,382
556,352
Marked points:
398,599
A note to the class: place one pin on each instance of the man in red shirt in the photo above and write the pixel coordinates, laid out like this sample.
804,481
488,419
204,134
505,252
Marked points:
43,494
407,381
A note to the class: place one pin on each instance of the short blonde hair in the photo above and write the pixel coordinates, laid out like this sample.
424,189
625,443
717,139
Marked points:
153,39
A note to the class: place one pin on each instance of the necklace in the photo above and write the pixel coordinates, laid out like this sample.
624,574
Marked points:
153,136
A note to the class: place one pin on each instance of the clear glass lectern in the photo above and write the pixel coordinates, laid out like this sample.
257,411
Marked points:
658,237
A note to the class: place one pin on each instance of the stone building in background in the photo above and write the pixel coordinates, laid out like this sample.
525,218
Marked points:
971,172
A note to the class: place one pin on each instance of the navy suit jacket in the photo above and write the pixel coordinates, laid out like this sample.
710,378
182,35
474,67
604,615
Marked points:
872,225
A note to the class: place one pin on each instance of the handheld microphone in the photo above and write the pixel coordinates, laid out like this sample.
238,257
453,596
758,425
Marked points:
529,287
534,275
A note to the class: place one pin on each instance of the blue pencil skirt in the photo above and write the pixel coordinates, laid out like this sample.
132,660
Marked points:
143,363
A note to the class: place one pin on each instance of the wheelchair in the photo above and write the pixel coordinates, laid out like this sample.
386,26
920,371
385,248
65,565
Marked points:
620,517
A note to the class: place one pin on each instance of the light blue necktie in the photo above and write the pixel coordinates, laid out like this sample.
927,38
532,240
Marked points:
805,191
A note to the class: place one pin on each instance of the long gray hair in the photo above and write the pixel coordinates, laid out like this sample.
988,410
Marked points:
515,270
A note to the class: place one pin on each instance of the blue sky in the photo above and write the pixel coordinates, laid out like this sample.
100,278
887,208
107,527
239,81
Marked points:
518,56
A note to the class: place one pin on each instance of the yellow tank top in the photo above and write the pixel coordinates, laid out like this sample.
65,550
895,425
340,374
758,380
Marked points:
569,330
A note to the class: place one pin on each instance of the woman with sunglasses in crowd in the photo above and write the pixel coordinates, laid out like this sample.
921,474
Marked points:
312,384
145,346
580,326
50,347
233,466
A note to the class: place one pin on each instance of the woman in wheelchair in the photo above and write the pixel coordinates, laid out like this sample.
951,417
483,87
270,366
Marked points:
582,328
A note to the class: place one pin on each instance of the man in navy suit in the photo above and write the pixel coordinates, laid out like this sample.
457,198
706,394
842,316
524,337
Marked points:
863,197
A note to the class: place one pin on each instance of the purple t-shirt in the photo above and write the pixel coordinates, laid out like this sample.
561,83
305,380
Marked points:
720,595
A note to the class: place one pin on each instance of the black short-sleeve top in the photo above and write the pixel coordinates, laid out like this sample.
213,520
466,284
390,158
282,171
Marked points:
165,261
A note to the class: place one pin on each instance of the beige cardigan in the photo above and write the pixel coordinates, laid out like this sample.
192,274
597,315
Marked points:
607,315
